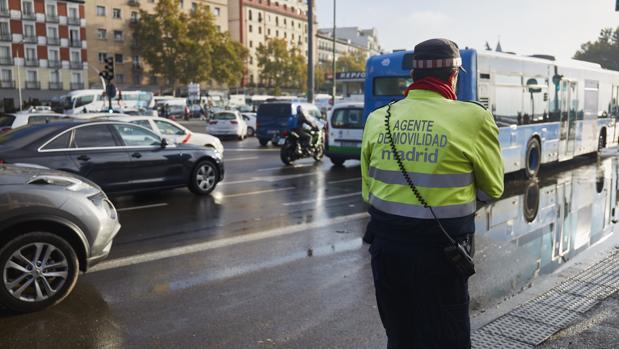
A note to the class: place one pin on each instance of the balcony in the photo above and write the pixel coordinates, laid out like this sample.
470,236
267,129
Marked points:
7,84
31,62
30,39
133,2
53,41
54,64
73,21
76,65
75,43
77,86
6,37
52,18
33,85
55,85
28,16
6,61
4,12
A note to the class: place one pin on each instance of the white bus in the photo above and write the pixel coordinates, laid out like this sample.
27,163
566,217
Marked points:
94,101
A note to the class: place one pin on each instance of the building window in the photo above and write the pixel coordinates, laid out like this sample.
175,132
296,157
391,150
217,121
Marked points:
4,30
250,15
116,13
50,10
259,30
251,44
102,34
27,8
75,56
102,56
194,7
251,29
217,11
101,11
76,77
118,58
53,55
31,75
73,13
6,76
118,35
251,59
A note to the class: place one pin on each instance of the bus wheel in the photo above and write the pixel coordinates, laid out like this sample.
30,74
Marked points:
530,206
533,158
602,140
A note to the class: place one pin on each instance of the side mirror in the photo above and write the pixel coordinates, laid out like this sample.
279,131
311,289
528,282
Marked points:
164,143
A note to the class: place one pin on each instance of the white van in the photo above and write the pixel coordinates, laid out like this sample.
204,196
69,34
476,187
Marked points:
92,101
345,122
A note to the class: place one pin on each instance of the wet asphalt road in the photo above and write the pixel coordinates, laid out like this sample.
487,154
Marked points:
274,259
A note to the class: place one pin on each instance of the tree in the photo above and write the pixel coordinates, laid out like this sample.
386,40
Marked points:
352,61
183,47
605,50
281,67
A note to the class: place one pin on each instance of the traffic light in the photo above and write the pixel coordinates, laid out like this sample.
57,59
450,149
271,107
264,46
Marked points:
108,69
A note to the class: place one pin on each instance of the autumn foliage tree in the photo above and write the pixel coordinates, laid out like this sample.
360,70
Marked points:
281,67
183,47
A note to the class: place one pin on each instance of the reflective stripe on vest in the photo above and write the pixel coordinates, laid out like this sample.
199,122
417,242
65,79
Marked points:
418,211
423,179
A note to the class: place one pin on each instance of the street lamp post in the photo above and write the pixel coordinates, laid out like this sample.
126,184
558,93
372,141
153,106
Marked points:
310,51
334,88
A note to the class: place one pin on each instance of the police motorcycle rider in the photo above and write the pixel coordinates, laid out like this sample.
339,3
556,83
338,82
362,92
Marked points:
305,126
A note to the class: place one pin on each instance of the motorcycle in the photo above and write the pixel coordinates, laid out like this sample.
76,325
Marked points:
293,149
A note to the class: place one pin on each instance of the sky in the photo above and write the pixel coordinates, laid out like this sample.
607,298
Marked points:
556,27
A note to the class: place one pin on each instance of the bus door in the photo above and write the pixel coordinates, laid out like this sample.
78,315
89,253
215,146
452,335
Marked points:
569,108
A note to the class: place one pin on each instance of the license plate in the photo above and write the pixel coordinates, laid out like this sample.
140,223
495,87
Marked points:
281,141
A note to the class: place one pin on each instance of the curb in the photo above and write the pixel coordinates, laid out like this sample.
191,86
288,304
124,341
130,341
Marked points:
531,323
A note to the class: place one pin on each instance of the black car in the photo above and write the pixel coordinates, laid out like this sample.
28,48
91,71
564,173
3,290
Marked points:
118,156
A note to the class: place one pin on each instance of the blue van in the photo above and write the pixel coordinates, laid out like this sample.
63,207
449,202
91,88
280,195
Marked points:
274,118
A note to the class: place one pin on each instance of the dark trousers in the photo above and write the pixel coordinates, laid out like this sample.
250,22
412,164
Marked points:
423,302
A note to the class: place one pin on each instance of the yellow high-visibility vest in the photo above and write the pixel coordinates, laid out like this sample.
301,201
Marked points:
449,148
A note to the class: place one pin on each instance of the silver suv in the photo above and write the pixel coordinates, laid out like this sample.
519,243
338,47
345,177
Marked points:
52,226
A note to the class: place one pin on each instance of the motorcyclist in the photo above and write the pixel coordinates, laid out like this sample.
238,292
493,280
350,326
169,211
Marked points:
306,123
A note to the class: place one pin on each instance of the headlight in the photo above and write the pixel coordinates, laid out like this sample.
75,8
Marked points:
69,183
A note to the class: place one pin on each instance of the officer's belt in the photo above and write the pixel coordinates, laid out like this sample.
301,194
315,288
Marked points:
419,211
423,179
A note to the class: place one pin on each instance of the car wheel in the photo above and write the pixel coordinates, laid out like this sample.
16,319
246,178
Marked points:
263,142
39,269
250,132
337,161
204,178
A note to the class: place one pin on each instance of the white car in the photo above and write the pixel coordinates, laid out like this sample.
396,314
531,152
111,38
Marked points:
250,120
28,117
227,123
172,131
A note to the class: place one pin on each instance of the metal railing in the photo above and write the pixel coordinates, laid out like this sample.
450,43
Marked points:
55,85
29,16
134,2
52,18
7,83
54,64
73,21
76,65
53,40
6,37
31,62
6,61
77,86
33,85
30,39
75,43
4,12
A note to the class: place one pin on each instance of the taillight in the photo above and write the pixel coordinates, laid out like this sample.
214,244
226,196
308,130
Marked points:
1,162
186,139
234,122
6,129
212,122
285,133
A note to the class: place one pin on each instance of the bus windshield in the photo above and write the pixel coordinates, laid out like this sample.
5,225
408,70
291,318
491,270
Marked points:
391,85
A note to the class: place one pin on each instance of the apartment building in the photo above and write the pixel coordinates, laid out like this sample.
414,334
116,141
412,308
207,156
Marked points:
253,22
324,41
366,38
43,49
111,24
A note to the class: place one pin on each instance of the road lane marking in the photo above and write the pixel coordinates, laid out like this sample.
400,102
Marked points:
322,199
344,180
219,243
258,192
269,179
241,159
140,207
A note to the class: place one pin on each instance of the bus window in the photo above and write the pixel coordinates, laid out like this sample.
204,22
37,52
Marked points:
591,99
83,100
508,94
391,85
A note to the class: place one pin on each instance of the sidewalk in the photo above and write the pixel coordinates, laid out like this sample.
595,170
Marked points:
581,312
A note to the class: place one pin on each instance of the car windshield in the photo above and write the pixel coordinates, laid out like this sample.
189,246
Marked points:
6,120
225,116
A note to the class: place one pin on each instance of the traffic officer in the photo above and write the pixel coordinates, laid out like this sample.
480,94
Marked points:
451,154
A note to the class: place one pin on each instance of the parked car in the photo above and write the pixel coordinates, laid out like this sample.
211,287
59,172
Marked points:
227,123
175,111
250,120
345,130
173,131
52,226
118,156
276,118
29,117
